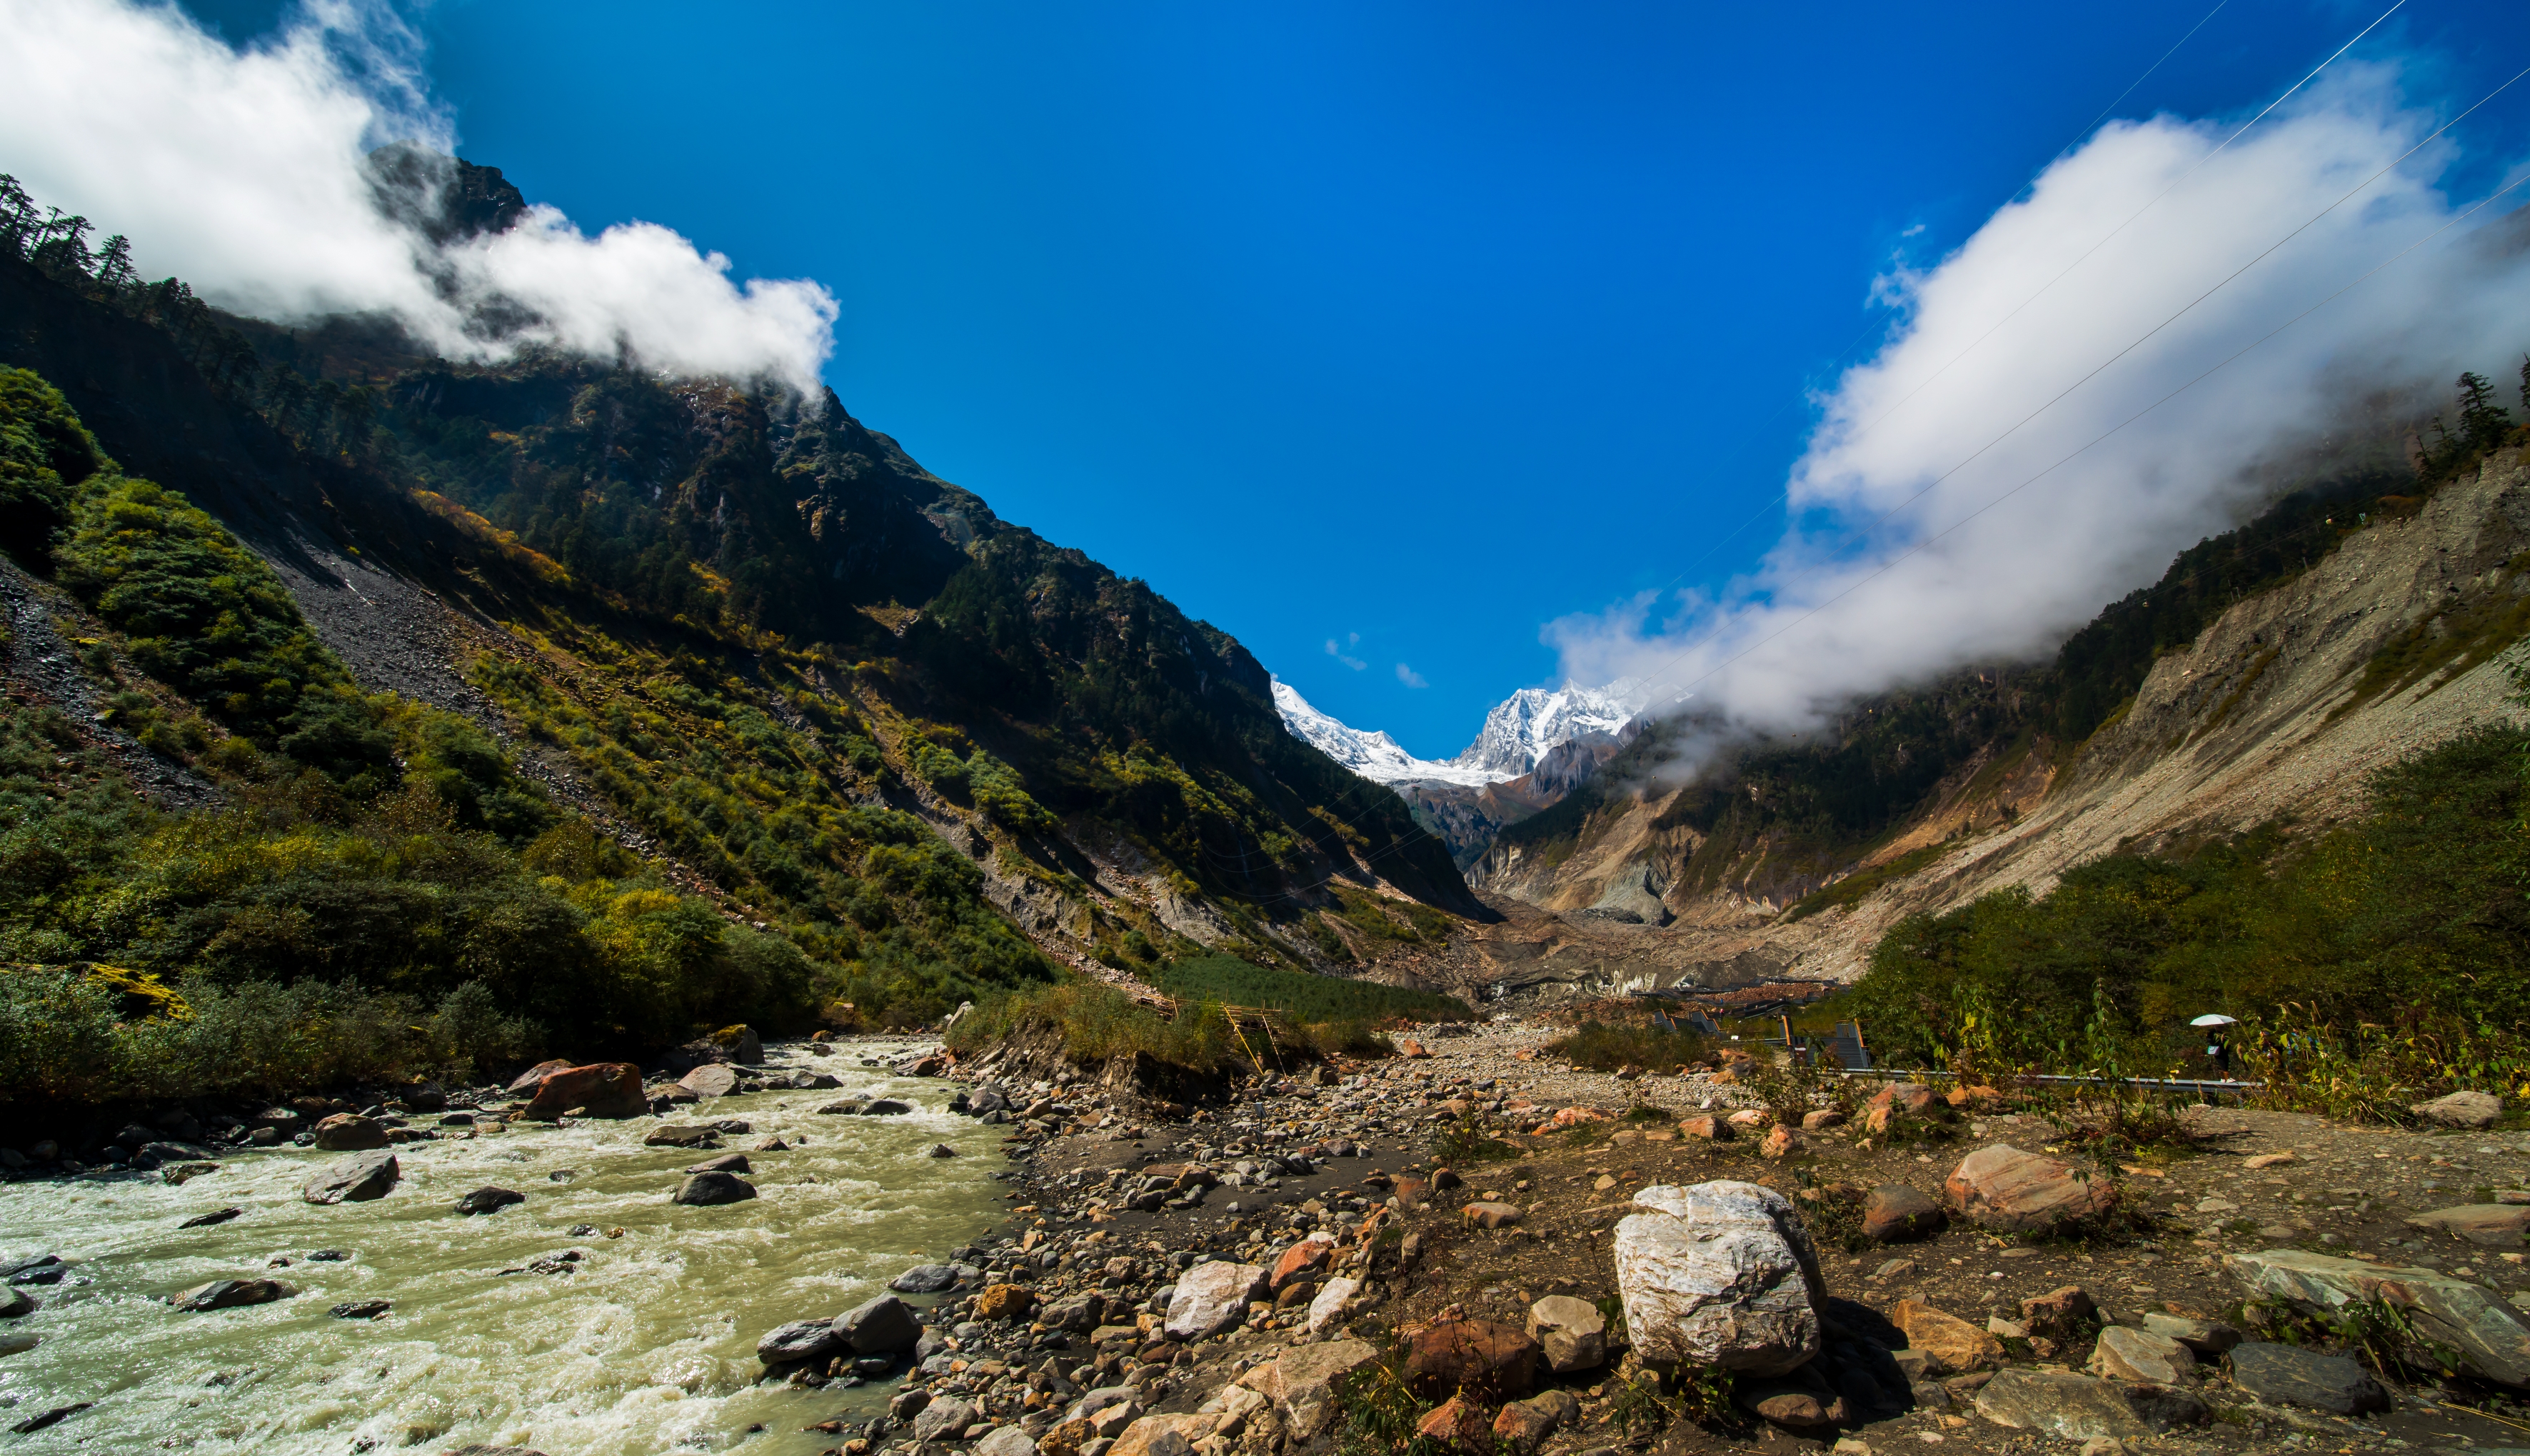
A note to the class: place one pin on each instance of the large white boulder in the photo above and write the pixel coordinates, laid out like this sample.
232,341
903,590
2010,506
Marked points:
1212,1298
1720,1273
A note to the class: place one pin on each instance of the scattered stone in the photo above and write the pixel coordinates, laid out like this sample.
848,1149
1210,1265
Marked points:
230,1294
354,1180
611,1089
1212,1298
1818,1119
361,1309
2074,1407
1720,1273
710,1080
2142,1355
1495,1361
2461,1109
349,1131
1006,1440
16,1304
1781,1142
885,1326
2495,1225
886,1108
940,1150
672,1135
2491,1337
2288,1374
2204,1336
1303,1259
1490,1214
1004,1302
53,1417
2269,1160
1328,1305
1799,1401
800,1339
2063,1316
2003,1188
727,1163
924,1278
944,1420
489,1200
709,1190
1951,1344
1571,1333
846,1108
206,1220
1459,1423
1896,1213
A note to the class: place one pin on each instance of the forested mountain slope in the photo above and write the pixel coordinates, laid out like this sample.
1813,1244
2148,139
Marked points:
778,668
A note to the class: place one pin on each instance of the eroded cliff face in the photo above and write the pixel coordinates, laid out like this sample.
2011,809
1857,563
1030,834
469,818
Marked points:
2277,713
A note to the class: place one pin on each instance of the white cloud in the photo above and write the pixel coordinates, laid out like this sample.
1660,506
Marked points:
2017,544
1338,652
240,172
1410,678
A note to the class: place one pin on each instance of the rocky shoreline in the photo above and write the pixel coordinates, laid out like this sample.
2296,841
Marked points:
1300,1269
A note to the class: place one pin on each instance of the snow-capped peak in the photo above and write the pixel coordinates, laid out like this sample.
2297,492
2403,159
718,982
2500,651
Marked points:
1374,756
1521,729
1524,726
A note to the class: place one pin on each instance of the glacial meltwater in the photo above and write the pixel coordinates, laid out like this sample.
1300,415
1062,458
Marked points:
646,1344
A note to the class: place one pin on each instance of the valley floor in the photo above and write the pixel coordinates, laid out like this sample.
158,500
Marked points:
2344,1190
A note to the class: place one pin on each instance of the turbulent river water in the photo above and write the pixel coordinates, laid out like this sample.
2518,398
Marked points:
648,1347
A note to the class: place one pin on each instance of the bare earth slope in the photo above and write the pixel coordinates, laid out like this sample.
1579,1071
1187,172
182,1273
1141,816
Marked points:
2277,712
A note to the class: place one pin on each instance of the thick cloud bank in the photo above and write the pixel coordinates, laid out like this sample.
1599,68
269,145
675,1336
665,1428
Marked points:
2071,520
242,173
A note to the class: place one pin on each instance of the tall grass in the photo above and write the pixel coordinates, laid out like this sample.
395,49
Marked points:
1603,1047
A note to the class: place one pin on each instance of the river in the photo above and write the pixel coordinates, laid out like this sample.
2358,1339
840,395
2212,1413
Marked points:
647,1347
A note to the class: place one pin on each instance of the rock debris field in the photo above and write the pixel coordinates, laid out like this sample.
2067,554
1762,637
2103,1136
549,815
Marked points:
1330,1260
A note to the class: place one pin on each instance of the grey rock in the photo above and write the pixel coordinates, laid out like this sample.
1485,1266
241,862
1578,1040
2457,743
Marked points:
710,1189
945,1419
2204,1336
885,1326
1211,1298
2461,1109
2287,1374
208,1221
908,1405
2074,1407
924,1278
230,1294
489,1200
1720,1273
354,1180
2142,1355
1006,1440
16,1304
803,1339
363,1308
727,1163
886,1108
1572,1333
847,1107
673,1135
2491,1337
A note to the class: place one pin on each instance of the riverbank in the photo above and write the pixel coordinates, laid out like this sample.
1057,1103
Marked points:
1334,1181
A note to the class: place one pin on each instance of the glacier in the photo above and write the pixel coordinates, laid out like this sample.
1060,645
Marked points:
1518,732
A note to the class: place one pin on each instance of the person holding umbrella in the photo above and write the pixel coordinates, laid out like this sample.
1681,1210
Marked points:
2216,1051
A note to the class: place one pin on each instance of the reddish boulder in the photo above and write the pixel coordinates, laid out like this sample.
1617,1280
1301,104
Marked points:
1461,1425
1305,1258
2004,1187
599,1089
1495,1361
1894,1213
1708,1127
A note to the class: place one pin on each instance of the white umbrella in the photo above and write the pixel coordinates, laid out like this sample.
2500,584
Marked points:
2214,1019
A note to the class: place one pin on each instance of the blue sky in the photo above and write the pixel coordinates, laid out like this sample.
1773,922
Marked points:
1406,328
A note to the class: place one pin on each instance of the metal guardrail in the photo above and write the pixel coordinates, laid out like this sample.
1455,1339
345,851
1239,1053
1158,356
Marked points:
2200,1085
